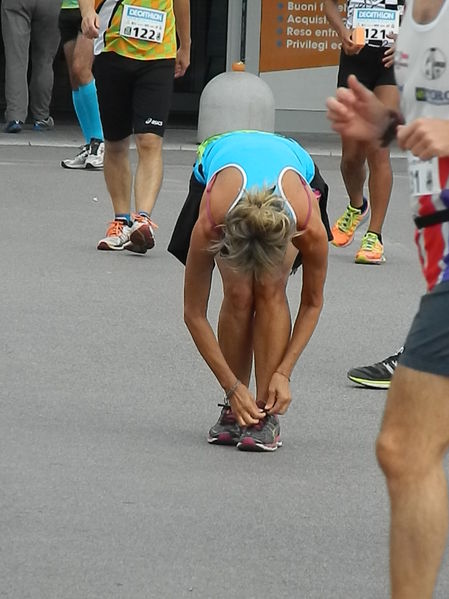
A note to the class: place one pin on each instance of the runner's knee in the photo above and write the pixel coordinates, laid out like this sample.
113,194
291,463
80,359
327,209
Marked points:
148,143
239,297
399,455
271,292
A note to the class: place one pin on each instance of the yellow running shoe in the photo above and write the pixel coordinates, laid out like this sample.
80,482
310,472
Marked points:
371,250
345,226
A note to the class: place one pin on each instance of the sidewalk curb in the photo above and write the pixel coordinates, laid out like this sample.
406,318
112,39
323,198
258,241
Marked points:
329,147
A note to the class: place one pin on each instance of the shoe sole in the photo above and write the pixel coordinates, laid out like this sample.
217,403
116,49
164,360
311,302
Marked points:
370,384
374,262
102,246
135,249
142,239
249,444
73,168
222,439
91,167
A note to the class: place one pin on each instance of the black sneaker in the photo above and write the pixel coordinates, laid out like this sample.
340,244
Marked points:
377,376
263,436
226,431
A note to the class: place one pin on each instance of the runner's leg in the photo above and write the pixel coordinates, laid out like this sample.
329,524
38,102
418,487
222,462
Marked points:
411,446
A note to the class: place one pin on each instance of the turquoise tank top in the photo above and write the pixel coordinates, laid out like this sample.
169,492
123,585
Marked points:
261,157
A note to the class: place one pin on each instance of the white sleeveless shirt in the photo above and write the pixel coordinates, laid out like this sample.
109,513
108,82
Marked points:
422,75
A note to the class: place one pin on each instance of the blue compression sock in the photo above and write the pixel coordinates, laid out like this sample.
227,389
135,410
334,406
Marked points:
124,217
80,113
87,97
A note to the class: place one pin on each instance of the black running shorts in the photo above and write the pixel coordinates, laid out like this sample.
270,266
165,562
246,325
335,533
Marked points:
367,66
69,24
134,95
427,343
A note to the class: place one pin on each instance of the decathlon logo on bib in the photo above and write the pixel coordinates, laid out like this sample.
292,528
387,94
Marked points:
145,13
143,23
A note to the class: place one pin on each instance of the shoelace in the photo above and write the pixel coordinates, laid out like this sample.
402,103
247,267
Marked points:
347,221
115,228
227,417
144,219
392,360
260,425
83,149
369,241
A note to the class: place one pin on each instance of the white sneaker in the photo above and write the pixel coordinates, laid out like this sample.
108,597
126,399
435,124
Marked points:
141,235
43,124
117,236
80,159
94,160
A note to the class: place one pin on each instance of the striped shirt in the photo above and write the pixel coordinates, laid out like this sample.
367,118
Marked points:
139,29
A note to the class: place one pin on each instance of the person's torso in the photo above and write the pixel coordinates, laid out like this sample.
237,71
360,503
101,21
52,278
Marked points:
138,29
261,158
422,75
377,17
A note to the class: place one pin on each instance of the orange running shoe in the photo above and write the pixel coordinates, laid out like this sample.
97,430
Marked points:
371,250
345,226
117,236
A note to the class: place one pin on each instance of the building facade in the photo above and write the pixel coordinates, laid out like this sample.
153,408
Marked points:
289,44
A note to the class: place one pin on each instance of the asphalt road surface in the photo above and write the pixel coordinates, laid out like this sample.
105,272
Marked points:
108,488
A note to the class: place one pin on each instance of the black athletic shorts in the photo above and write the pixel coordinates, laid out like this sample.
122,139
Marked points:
367,66
134,95
427,344
69,24
180,239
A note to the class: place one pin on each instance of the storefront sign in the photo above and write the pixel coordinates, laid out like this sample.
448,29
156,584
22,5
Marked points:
297,35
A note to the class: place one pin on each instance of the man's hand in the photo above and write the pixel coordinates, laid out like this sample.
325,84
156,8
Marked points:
388,57
347,43
182,62
425,138
90,24
356,113
244,407
279,395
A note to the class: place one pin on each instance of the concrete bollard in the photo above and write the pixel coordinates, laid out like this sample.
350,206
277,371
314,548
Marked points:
235,100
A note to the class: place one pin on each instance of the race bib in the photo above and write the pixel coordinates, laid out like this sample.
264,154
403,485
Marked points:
424,176
377,23
144,24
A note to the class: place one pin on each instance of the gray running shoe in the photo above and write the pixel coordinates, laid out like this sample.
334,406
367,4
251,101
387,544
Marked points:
226,431
79,162
117,236
44,124
375,376
94,159
264,436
